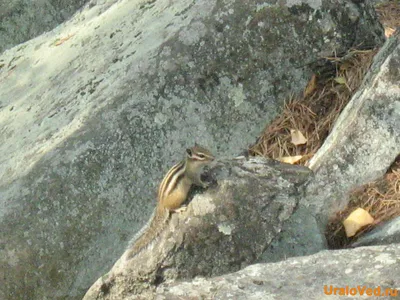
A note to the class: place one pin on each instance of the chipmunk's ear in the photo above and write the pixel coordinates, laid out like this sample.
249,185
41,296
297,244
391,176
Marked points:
189,152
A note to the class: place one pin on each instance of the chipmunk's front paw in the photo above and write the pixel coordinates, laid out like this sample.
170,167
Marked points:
180,209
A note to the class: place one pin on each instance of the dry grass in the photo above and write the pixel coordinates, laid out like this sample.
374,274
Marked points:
314,115
380,198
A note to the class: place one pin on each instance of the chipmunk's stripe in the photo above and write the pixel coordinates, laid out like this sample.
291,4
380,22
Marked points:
174,182
171,180
196,156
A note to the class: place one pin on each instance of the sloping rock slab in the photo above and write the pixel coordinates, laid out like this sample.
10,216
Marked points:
387,233
308,277
363,144
365,139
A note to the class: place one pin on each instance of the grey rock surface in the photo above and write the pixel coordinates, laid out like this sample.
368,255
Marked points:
308,277
301,235
21,20
387,233
361,147
223,230
93,113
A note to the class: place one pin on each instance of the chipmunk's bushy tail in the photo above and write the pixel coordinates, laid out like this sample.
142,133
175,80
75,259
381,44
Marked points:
149,232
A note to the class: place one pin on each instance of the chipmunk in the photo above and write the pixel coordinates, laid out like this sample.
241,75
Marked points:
172,192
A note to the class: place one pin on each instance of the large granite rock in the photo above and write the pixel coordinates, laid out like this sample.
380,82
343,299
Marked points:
21,20
223,230
359,273
94,112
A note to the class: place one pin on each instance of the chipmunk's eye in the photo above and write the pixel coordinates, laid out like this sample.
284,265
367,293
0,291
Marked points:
201,155
189,152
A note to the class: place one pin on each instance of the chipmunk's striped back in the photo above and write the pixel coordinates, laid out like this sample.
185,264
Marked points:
171,180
